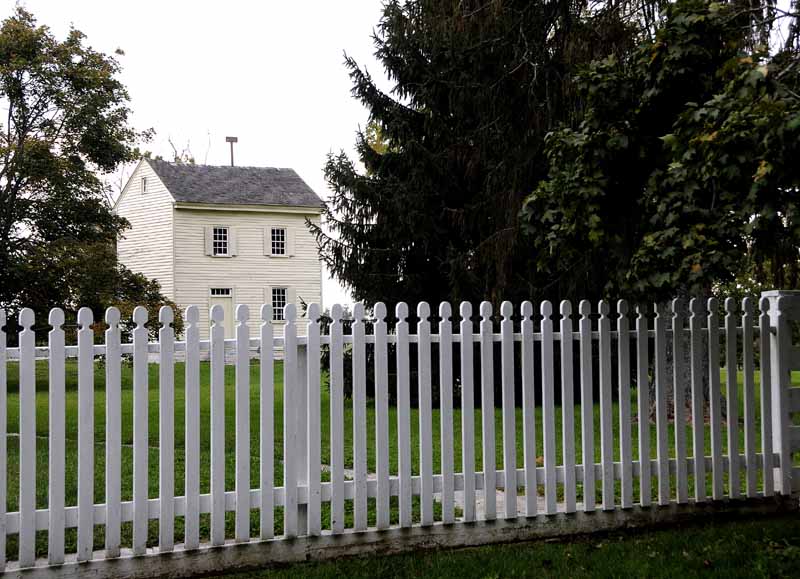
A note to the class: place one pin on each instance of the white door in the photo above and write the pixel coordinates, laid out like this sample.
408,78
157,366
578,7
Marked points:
224,297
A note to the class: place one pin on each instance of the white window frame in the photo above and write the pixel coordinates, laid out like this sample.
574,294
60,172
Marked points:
226,241
143,184
277,310
220,292
279,243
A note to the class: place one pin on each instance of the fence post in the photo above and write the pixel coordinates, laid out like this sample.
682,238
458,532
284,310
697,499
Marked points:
784,307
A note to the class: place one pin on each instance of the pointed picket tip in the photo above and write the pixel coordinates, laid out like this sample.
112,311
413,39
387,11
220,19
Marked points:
192,315
584,308
217,314
313,313
423,311
56,317
140,315
506,309
266,312
445,311
165,315
401,311
380,311
85,318
622,308
526,309
336,313
486,309
546,309
242,313
565,308
465,309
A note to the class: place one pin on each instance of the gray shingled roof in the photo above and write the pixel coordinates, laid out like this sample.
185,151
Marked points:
235,185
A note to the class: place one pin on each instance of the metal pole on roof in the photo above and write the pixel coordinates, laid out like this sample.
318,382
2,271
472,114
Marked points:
231,140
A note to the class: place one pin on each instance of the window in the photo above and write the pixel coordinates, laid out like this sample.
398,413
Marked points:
221,292
144,184
278,303
278,241
219,241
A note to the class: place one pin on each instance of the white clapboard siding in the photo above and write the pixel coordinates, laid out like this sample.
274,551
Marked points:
662,440
403,414
606,410
140,431
266,426
85,435
192,429
567,409
548,409
337,420
528,410
643,404
359,419
27,439
57,435
217,346
732,398
290,426
509,410
487,412
748,374
381,416
679,395
313,416
166,431
425,413
766,398
242,419
698,430
446,412
715,396
624,374
587,406
467,408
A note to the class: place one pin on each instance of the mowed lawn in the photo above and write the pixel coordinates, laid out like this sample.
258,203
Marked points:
127,438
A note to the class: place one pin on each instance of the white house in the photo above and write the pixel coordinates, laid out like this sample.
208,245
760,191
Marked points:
222,235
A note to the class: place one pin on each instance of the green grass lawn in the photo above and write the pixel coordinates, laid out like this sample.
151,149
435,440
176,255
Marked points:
127,438
764,547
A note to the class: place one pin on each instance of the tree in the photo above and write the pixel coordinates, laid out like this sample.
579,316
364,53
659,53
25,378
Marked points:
65,125
449,156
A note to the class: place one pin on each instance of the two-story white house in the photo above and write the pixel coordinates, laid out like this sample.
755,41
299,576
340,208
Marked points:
222,235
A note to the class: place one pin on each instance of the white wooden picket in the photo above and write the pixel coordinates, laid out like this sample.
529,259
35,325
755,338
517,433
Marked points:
439,364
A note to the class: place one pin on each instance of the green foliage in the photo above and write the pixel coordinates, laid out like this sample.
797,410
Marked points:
65,125
682,172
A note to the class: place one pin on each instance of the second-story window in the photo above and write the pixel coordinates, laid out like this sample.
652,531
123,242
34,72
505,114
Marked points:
144,184
220,241
278,241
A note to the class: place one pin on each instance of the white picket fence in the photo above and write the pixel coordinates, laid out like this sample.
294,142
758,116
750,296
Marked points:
528,340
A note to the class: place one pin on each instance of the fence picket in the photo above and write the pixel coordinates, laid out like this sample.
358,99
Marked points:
766,398
715,396
403,414
529,410
487,412
113,431
266,426
27,439
85,435
643,405
313,423
567,408
446,412
624,374
425,413
337,420
509,426
748,372
191,435
3,439
587,406
56,436
359,419
467,411
217,346
290,417
140,441
381,416
678,390
242,419
662,444
698,434
606,420
548,409
732,395
166,431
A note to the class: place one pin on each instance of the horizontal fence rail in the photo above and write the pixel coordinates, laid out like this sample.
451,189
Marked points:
381,421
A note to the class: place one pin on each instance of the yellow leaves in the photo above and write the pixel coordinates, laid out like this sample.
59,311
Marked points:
764,169
697,268
707,137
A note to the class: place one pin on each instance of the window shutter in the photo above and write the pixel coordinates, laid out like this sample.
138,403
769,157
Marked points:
232,248
208,233
289,241
268,241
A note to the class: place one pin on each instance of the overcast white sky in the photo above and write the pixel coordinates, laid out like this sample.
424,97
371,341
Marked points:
269,72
